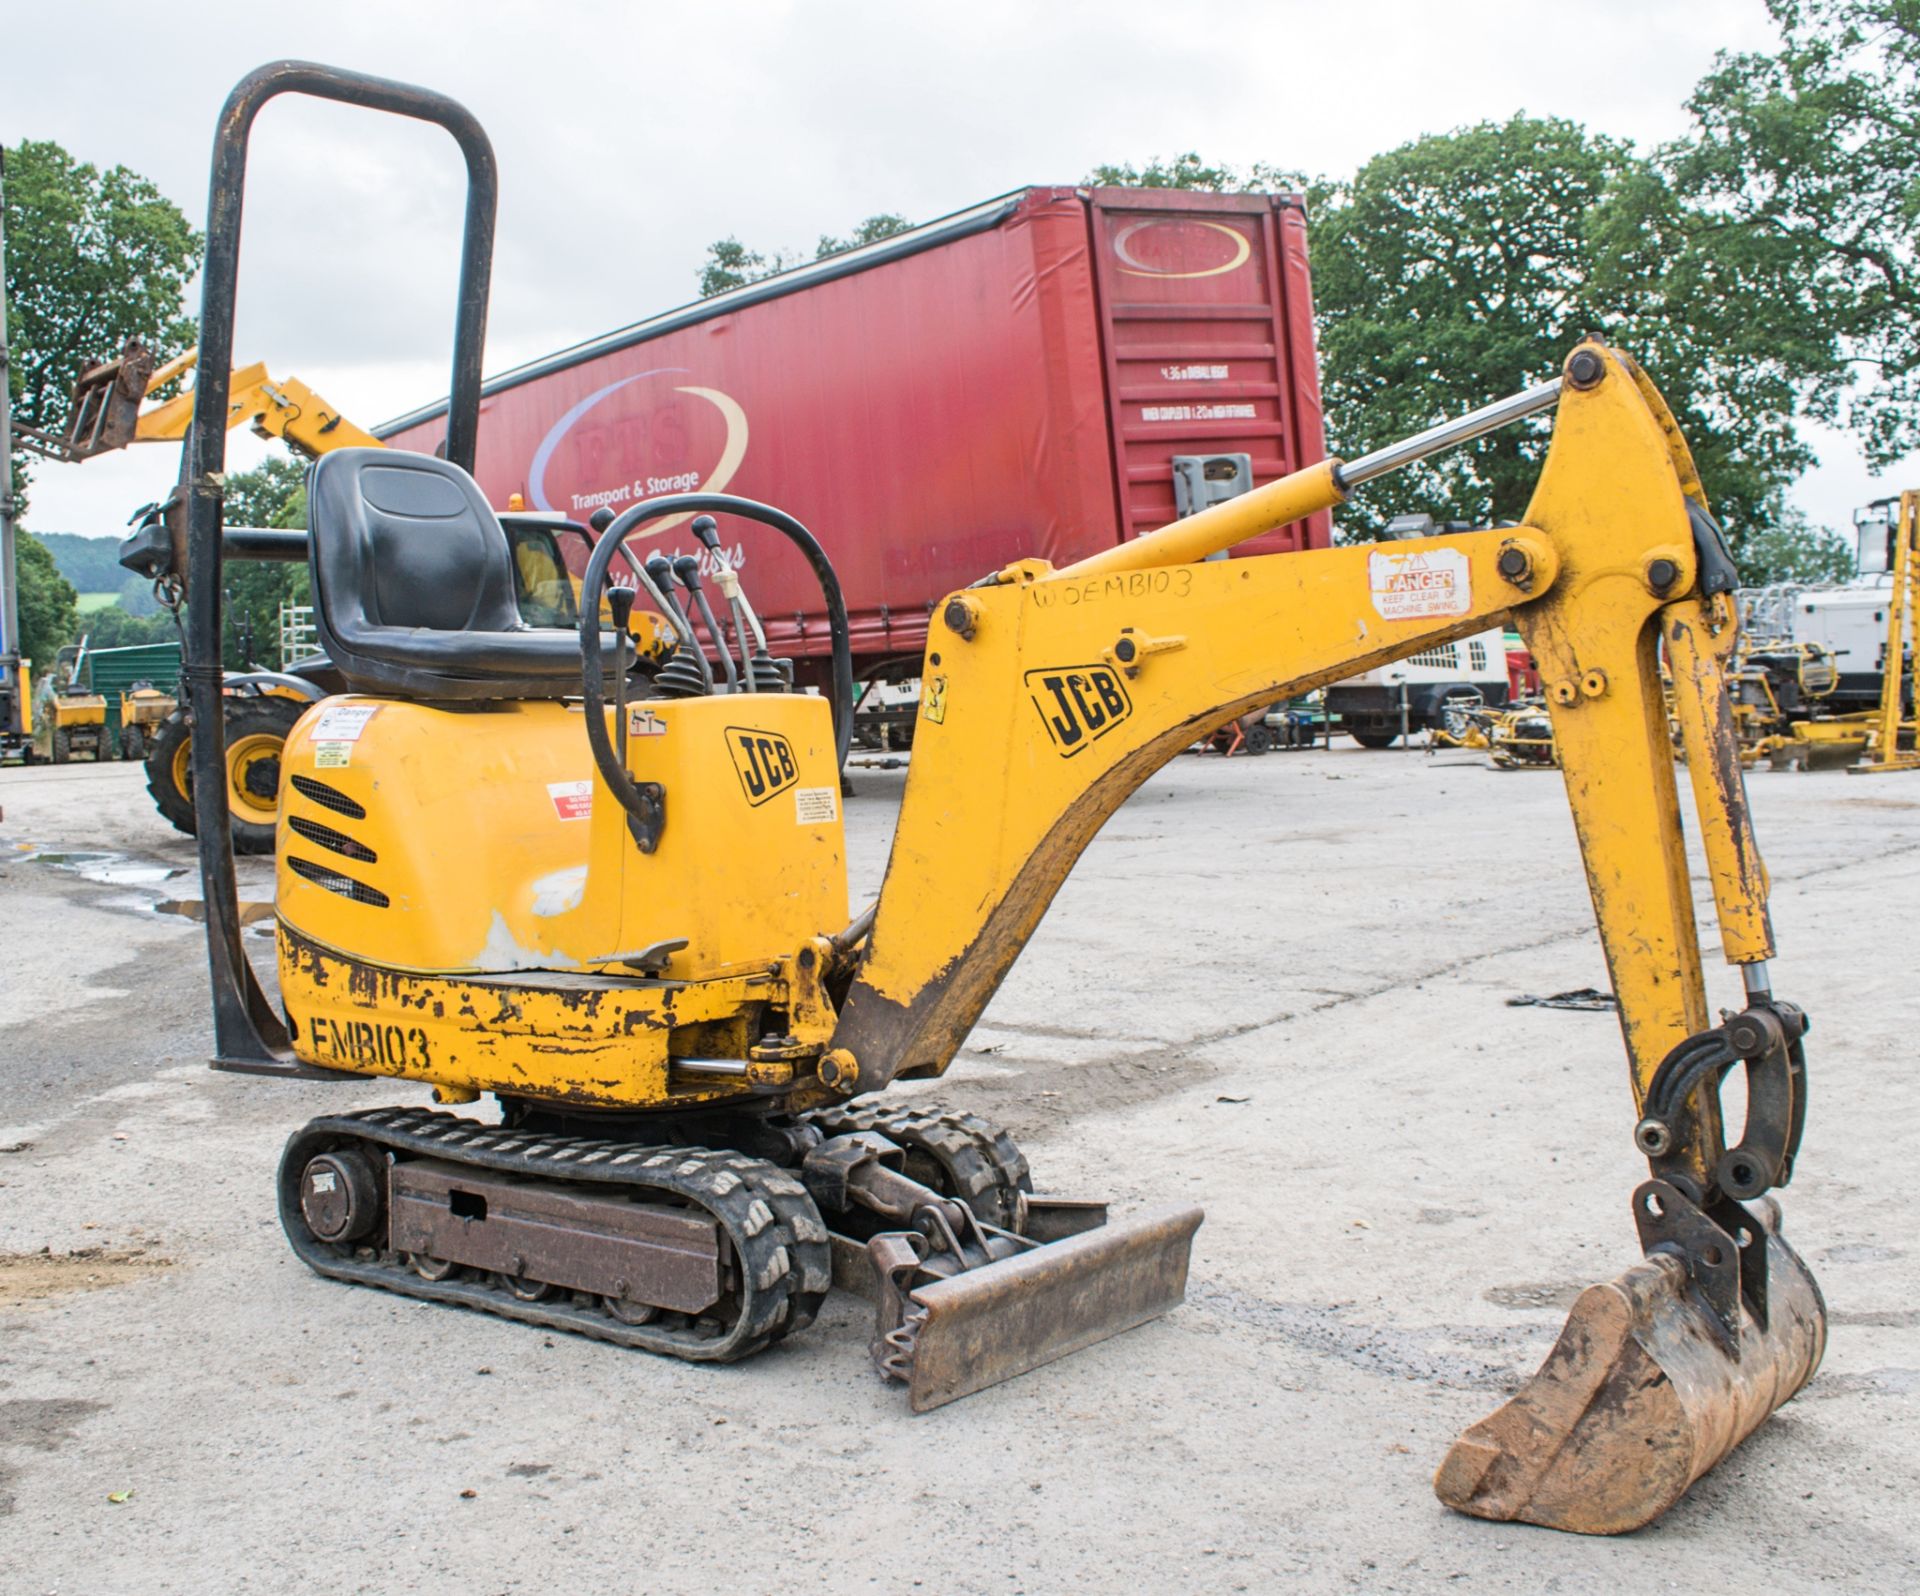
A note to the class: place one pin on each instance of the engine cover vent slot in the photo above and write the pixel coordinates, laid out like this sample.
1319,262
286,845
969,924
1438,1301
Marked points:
332,881
328,797
334,841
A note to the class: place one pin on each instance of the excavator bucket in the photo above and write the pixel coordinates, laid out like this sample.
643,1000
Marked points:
951,1337
1647,1388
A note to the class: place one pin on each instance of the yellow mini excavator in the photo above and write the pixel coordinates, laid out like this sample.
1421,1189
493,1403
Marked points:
515,861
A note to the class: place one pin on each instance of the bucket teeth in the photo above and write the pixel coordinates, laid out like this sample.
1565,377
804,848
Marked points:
1647,1388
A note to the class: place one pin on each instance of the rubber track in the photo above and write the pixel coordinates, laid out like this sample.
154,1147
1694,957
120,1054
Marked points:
780,1243
984,1167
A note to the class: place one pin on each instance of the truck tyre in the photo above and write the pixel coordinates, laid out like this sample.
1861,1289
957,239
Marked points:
62,745
255,731
1371,737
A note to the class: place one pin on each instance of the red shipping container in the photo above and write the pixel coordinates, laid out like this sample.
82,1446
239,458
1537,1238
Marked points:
1013,380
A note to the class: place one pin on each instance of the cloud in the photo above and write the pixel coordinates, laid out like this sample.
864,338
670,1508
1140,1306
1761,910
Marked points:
630,136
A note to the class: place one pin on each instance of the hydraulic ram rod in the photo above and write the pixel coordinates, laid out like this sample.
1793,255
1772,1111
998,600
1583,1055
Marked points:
1317,487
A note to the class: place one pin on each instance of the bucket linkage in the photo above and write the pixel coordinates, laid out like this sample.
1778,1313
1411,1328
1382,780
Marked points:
1662,1371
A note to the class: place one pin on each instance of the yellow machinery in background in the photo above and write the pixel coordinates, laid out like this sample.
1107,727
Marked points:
1891,741
72,715
144,709
1517,736
109,411
516,861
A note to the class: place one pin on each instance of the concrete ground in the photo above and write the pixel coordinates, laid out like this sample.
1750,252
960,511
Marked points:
1276,986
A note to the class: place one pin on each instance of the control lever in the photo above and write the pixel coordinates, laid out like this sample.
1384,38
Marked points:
620,602
687,568
599,521
660,572
707,530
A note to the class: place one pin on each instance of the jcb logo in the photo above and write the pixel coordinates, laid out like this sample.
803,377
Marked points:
764,762
1079,704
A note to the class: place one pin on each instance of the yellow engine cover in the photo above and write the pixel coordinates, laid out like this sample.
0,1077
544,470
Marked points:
457,888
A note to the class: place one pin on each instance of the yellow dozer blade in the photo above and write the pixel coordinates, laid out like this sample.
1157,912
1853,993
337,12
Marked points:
946,1337
1649,1386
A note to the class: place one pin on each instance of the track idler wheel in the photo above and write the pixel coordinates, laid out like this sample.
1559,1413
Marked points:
1657,1376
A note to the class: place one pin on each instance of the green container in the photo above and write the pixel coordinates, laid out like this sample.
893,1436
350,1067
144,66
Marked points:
112,671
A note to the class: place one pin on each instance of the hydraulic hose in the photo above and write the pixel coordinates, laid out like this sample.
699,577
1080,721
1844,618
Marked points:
593,668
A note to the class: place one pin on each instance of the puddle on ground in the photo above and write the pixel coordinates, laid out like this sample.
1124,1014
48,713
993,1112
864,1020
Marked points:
119,870
112,869
252,915
36,1276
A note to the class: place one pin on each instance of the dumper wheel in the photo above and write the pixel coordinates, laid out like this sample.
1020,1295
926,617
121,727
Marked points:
133,744
958,1155
256,730
62,745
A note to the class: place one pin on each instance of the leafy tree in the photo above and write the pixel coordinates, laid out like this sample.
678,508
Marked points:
1191,172
1800,181
93,258
1793,550
730,264
1462,267
113,627
871,231
46,600
273,495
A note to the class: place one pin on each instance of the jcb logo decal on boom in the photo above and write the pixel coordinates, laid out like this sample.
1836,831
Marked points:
764,762
1078,704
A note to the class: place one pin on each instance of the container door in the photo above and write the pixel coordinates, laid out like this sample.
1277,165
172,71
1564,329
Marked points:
1207,328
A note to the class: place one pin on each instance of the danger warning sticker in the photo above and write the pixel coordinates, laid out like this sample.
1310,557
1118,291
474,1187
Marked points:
1409,587
572,800
343,723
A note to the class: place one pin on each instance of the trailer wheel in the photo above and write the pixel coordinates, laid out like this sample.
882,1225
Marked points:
62,745
1372,737
256,729
1258,740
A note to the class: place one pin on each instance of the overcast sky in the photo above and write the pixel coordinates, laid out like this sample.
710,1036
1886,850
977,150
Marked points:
629,136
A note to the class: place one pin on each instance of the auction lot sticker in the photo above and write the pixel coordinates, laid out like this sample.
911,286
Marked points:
1412,586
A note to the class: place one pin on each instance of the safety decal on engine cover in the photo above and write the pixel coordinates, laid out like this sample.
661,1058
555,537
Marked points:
572,800
343,723
1421,583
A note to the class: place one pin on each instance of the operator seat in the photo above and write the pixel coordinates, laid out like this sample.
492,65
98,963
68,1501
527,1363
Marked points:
413,592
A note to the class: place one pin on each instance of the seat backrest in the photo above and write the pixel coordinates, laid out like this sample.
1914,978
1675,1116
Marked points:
406,540
413,585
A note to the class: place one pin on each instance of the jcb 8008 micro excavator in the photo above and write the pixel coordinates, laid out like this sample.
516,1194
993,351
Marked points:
513,862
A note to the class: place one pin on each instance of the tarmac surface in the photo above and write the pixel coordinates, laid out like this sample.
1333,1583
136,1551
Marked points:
1277,987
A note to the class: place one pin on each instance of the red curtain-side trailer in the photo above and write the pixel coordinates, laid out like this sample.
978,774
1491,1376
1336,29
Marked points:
1013,380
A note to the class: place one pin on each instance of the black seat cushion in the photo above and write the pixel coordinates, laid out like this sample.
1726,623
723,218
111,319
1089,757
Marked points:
413,585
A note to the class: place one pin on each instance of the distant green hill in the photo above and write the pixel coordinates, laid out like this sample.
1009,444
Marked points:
90,564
